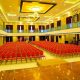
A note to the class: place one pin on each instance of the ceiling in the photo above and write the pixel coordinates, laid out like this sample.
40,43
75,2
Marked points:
13,11
35,6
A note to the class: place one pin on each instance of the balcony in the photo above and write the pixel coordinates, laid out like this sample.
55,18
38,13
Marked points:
65,27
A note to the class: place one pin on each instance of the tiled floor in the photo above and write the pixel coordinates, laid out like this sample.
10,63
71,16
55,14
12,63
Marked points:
66,71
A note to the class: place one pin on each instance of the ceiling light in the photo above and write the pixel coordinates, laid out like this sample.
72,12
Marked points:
11,14
10,6
31,23
36,9
29,20
35,14
68,13
71,1
53,0
20,22
58,18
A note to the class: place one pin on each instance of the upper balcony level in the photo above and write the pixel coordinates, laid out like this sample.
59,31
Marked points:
20,29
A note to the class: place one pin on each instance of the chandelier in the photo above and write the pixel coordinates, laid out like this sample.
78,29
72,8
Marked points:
36,15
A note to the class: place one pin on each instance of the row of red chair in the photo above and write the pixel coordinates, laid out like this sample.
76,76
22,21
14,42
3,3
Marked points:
59,48
19,50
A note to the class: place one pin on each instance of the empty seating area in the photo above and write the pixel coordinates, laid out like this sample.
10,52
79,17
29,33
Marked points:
59,48
19,51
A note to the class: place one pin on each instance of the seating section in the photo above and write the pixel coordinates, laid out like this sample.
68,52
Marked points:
19,50
59,48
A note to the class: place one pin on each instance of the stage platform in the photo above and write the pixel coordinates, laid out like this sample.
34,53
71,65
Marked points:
47,62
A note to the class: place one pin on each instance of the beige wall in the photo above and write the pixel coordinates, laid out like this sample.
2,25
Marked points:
61,39
69,37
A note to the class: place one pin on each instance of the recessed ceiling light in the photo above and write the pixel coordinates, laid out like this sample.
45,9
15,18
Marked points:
68,13
20,22
53,0
10,6
11,14
36,9
58,17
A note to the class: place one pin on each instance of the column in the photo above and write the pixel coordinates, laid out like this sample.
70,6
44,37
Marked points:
15,38
36,38
1,40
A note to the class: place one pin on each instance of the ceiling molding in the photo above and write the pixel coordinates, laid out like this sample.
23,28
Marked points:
44,3
34,19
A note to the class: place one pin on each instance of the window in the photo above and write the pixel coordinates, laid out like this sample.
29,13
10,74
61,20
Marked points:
20,28
9,39
59,23
31,28
75,18
31,38
52,25
41,28
9,28
69,22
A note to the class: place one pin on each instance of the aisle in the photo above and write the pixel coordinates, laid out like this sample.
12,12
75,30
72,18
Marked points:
48,55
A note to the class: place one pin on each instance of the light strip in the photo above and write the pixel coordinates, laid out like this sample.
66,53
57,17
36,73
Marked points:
3,13
11,14
35,9
73,2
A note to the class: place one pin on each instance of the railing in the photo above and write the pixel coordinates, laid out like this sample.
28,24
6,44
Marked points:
68,26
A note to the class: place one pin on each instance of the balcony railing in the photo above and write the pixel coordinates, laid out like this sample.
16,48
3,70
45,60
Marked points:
68,26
